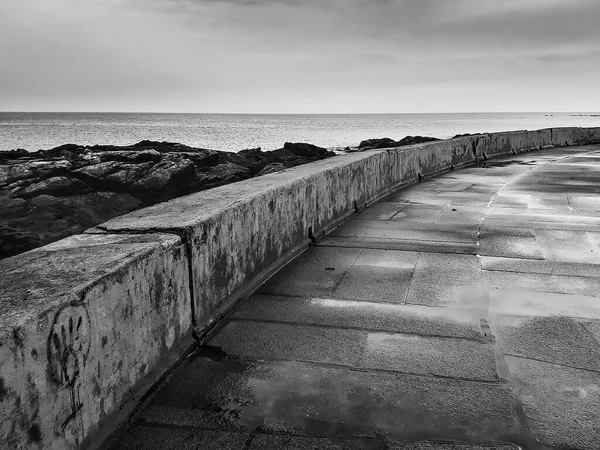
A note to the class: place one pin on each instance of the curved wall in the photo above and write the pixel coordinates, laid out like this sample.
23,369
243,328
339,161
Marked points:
89,323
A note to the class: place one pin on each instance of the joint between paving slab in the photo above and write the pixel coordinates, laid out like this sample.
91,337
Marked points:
346,272
410,281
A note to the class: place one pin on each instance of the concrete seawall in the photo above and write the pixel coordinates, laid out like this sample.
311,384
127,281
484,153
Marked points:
89,323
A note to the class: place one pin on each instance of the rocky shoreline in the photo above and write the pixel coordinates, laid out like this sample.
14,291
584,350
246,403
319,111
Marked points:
51,194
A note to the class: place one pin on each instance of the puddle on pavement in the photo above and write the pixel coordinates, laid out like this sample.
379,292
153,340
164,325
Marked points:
319,400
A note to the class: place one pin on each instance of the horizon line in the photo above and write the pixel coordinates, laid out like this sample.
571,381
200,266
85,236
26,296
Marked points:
294,114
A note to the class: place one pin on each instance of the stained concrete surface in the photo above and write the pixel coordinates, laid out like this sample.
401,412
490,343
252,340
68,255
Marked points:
83,320
418,330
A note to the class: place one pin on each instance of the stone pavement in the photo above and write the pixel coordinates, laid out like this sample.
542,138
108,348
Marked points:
462,312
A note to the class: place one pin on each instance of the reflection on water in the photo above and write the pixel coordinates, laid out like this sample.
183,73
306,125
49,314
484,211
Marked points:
316,399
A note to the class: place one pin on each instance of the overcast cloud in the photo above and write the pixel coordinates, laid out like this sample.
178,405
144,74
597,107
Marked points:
295,56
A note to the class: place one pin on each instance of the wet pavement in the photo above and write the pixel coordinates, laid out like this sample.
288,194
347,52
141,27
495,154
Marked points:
462,312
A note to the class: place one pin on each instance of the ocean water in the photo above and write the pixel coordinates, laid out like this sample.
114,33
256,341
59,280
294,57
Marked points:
234,132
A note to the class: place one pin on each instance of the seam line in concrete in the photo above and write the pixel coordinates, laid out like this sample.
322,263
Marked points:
410,284
184,235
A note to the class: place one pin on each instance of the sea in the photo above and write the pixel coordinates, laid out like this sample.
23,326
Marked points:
235,132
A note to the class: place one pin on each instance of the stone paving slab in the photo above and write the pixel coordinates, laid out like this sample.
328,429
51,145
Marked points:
368,275
437,445
509,242
315,273
273,341
561,404
374,283
409,319
423,213
407,245
291,442
454,358
559,340
143,437
538,282
510,200
179,416
442,279
572,246
584,202
457,358
525,303
441,198
406,230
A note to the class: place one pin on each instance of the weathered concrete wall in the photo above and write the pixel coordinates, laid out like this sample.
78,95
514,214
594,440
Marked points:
84,322
89,322
237,232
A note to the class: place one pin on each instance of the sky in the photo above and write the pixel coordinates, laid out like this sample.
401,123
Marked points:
300,56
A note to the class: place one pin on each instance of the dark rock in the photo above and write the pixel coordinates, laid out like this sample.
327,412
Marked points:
465,135
50,194
43,201
376,143
130,156
230,173
13,154
7,203
372,144
52,186
23,169
272,168
412,140
306,150
173,169
14,241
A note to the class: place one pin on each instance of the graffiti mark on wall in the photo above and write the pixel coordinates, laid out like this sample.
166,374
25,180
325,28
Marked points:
68,348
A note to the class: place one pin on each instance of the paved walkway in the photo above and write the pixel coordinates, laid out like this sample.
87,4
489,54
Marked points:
462,312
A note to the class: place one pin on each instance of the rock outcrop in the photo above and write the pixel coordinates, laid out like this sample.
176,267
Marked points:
372,144
51,194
